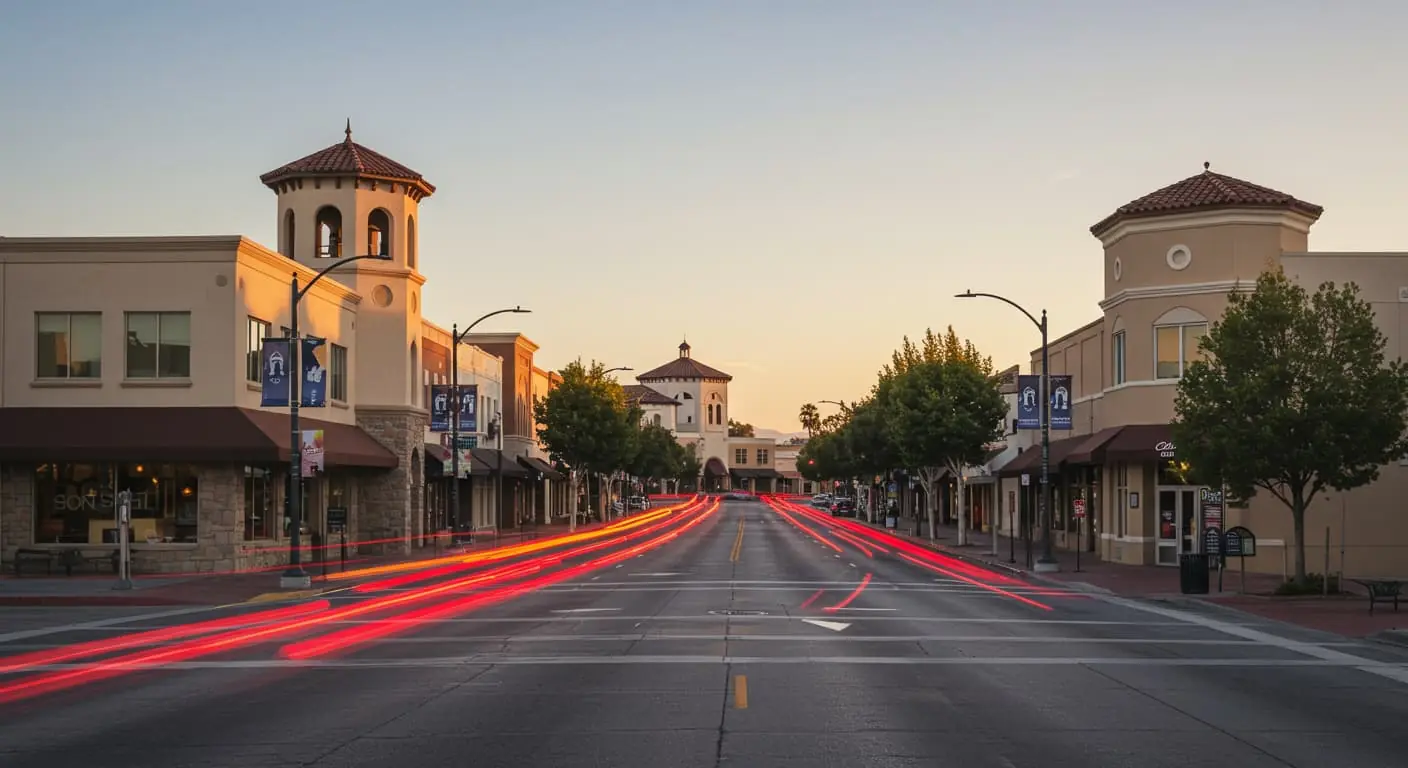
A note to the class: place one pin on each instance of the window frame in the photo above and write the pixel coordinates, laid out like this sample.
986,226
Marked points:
762,456
68,347
337,373
156,367
255,331
1183,361
1119,357
740,456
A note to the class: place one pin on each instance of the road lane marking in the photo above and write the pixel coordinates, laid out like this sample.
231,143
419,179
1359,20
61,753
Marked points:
740,692
269,597
659,573
877,610
737,550
834,626
585,610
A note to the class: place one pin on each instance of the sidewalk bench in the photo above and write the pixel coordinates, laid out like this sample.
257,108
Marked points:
1381,589
44,556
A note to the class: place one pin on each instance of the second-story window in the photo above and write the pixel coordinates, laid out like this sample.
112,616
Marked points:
1117,358
337,373
1175,347
68,345
158,345
256,331
762,455
740,455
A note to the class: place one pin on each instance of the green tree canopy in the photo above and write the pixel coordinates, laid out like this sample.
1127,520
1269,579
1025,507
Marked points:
810,418
1294,395
658,455
586,421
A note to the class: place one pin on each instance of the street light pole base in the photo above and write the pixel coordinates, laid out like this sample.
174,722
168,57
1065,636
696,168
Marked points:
1047,566
298,579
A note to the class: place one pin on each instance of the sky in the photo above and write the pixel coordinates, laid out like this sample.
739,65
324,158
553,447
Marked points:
793,185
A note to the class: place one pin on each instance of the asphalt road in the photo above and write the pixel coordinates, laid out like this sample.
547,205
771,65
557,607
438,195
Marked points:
717,649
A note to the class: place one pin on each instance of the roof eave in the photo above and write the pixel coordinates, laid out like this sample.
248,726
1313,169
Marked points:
1102,227
275,177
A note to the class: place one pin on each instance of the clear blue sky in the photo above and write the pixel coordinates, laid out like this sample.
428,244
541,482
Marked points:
794,184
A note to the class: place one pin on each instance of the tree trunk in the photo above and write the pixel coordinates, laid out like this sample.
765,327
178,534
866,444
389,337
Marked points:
1298,517
929,481
962,511
572,506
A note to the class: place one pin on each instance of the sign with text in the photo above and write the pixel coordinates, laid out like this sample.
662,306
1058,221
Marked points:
314,388
441,397
313,455
1239,542
275,359
1029,402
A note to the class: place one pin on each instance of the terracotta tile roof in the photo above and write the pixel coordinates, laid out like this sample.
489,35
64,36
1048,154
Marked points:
1205,191
639,393
347,158
684,368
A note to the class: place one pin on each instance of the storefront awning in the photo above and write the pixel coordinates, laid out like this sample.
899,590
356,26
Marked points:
755,473
1141,442
495,461
1092,450
1029,460
175,434
535,464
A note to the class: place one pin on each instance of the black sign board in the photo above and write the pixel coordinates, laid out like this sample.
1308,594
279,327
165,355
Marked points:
1239,542
337,519
1212,540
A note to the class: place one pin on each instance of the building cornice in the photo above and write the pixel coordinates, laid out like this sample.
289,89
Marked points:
1173,291
258,257
1293,220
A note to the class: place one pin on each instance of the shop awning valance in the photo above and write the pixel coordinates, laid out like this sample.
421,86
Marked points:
760,472
535,464
175,434
1029,460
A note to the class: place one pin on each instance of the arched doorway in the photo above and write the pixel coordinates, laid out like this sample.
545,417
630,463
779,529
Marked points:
715,476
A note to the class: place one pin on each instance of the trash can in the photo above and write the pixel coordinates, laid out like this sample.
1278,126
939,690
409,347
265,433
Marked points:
1193,574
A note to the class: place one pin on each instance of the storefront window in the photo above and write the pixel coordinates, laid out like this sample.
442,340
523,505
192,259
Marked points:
260,490
77,503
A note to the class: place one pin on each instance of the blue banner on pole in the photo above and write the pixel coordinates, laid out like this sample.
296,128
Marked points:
1028,402
314,390
274,362
439,408
1061,390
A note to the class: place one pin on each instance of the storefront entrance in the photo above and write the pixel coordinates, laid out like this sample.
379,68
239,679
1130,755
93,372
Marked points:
1176,522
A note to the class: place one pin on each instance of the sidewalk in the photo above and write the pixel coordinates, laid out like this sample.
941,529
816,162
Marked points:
220,588
1346,615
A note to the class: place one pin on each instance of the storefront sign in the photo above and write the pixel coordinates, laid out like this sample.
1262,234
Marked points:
1239,542
1165,449
313,454
1078,508
105,499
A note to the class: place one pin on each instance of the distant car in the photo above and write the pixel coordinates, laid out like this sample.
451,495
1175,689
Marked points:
822,500
843,508
639,502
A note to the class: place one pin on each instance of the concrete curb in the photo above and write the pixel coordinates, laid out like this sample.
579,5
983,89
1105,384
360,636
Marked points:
1394,637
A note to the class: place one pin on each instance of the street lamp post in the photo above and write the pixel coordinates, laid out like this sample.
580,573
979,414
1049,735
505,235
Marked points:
456,338
1047,562
294,577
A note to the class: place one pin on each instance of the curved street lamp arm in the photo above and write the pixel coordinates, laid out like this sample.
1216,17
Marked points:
304,291
465,332
1020,308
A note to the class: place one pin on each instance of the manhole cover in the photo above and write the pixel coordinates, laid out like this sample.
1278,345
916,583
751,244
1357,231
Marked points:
738,612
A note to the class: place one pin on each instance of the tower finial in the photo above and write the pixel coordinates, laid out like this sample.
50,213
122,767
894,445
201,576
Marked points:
1207,166
348,132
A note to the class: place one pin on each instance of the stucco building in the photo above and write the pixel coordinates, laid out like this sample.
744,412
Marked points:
1170,260
133,363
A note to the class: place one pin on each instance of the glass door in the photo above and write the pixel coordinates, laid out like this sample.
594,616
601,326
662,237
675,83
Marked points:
1177,518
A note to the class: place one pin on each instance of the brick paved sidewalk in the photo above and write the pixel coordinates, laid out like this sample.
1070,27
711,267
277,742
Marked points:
1346,615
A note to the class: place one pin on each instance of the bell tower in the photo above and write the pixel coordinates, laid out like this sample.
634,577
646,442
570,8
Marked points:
347,200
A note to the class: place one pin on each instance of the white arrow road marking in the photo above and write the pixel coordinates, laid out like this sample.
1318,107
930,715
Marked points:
834,626
584,610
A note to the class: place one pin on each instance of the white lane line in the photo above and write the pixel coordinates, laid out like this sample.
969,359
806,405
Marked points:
653,636
113,624
585,610
1326,656
708,618
658,574
834,626
496,659
875,610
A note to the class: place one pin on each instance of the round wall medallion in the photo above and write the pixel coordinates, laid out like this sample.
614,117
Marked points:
1118,269
1179,257
221,281
381,296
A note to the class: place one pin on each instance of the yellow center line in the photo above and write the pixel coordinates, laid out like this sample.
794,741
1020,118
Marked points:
737,544
740,692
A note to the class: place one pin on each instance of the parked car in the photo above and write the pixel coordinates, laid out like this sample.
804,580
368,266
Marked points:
843,508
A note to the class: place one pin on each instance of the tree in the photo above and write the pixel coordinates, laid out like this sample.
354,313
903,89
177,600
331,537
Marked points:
689,464
739,429
810,418
587,424
657,454
942,415
1293,396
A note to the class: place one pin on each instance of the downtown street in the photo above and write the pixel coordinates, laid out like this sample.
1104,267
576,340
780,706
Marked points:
747,633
